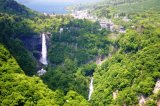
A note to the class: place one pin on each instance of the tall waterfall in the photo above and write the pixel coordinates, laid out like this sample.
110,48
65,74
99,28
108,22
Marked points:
43,59
90,89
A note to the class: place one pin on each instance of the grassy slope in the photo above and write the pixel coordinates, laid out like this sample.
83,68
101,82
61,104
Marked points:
139,6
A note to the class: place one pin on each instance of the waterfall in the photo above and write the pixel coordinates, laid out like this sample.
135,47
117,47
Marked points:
43,59
90,89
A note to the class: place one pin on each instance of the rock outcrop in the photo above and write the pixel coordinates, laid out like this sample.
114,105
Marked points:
142,100
33,44
157,87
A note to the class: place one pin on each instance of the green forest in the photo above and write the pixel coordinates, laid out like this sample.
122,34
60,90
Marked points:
125,66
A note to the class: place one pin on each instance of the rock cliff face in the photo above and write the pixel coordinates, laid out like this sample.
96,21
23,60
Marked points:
157,87
33,44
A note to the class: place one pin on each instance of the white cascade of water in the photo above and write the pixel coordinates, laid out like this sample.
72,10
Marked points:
43,59
90,89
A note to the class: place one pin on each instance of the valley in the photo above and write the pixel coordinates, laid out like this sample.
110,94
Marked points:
102,54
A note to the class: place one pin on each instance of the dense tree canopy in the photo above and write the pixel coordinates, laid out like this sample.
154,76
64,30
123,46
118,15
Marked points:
134,69
18,89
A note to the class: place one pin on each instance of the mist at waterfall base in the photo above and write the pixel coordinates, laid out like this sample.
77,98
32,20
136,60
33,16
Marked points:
43,59
90,89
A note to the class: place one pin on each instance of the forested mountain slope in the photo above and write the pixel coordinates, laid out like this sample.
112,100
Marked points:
71,52
131,74
16,87
74,52
108,8
19,89
12,7
14,27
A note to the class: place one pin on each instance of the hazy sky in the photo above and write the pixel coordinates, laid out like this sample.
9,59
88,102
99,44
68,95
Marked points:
45,1
53,1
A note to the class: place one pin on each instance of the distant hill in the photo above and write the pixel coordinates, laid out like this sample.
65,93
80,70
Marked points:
12,7
108,8
140,6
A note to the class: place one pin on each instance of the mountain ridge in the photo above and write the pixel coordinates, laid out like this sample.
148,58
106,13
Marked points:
12,7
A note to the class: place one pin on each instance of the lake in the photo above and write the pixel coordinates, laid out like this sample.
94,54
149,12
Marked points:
46,7
53,6
57,8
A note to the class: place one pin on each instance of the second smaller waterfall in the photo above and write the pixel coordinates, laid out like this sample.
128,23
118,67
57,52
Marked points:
90,89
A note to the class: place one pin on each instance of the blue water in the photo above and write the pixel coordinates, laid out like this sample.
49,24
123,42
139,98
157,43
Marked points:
53,7
57,8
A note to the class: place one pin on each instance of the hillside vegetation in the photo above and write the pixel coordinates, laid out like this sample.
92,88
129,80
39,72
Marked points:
12,7
134,69
16,87
77,46
139,6
19,89
108,8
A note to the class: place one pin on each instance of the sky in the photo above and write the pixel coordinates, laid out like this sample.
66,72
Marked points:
54,1
44,1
